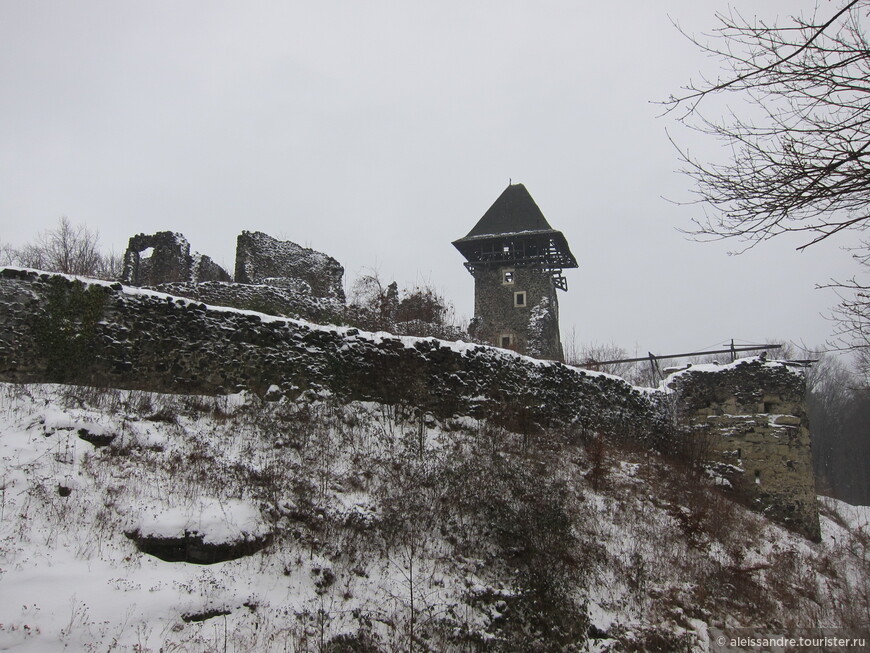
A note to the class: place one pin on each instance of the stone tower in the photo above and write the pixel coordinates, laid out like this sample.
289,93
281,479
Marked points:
516,259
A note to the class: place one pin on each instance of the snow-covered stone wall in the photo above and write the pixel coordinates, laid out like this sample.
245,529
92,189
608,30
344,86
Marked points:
261,259
55,328
165,257
59,329
281,300
752,416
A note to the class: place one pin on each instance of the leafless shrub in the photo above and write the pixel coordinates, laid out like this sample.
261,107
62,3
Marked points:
596,448
421,311
68,249
165,414
8,255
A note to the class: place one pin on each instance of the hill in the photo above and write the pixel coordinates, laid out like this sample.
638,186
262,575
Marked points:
141,521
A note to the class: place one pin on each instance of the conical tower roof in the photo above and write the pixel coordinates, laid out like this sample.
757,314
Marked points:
513,212
513,230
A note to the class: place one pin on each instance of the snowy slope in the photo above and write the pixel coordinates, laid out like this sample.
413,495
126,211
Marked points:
380,528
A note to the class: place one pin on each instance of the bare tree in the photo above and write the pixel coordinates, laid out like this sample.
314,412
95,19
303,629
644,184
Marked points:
838,408
66,248
852,315
421,311
594,355
799,149
69,249
380,300
799,157
110,267
8,255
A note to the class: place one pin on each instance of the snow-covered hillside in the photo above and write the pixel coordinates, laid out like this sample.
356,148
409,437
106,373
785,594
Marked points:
361,528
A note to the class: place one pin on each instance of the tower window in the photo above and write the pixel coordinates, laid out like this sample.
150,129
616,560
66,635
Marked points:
520,299
507,277
506,340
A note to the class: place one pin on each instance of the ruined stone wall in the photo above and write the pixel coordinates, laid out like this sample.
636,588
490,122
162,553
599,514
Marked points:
753,416
169,261
272,299
57,329
533,327
133,338
261,259
276,277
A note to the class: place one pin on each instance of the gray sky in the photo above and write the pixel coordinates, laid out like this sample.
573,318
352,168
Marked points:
378,132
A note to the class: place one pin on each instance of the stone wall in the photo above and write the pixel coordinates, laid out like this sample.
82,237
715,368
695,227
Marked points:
58,329
532,327
168,261
752,414
134,338
280,300
276,277
261,259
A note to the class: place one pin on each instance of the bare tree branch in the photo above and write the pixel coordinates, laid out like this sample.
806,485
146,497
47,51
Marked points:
798,147
799,159
69,249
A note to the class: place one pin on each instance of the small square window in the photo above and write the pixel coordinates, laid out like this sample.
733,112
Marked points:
520,299
508,277
505,341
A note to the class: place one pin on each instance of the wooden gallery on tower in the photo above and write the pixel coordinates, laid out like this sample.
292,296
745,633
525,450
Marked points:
516,259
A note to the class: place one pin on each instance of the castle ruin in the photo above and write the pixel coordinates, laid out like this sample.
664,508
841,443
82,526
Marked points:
164,257
516,259
54,329
272,276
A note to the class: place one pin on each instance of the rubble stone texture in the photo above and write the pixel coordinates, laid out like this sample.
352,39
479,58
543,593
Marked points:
754,416
57,329
533,326
164,257
261,259
283,301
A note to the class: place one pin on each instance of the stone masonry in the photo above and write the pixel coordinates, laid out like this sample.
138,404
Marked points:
168,260
58,329
261,259
531,325
753,416
275,277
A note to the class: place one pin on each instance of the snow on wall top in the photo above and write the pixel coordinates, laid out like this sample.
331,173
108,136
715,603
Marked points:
259,257
150,340
165,257
57,328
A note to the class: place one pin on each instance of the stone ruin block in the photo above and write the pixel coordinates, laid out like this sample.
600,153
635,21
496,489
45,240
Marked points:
753,417
261,259
164,257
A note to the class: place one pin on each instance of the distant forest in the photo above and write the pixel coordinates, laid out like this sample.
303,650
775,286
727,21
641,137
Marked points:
840,425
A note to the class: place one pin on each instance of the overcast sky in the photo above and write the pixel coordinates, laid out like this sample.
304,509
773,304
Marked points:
378,132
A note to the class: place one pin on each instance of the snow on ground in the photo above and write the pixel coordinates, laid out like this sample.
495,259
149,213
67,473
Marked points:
216,521
71,578
659,558
853,517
